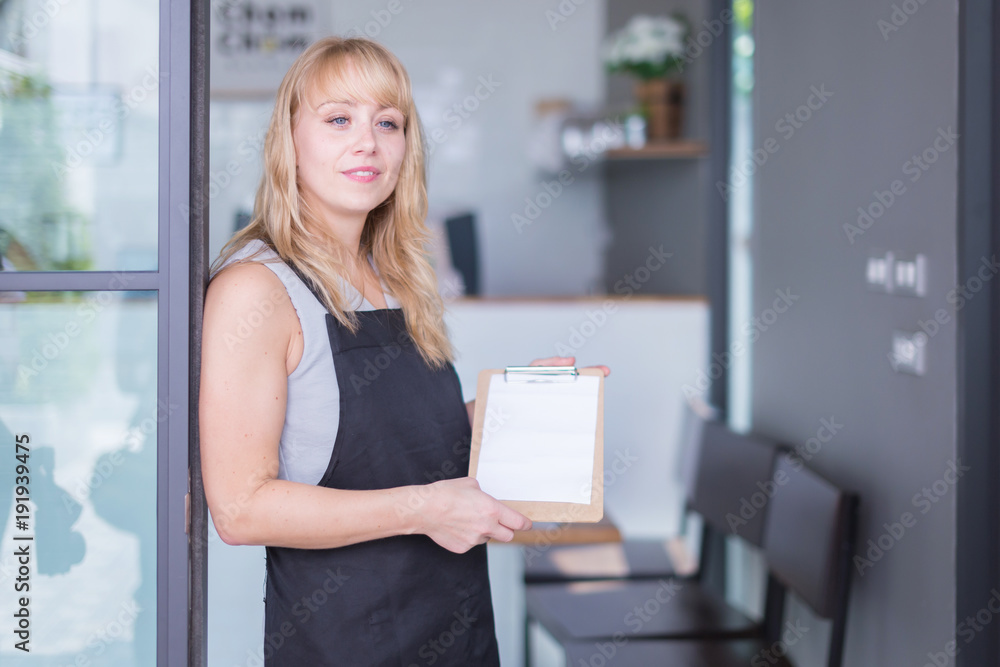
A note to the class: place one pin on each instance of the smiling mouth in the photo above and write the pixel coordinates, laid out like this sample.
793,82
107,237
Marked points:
362,175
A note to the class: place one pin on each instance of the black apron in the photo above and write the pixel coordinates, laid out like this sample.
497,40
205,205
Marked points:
401,601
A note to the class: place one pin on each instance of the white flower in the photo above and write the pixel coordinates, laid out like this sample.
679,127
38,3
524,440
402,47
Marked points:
645,40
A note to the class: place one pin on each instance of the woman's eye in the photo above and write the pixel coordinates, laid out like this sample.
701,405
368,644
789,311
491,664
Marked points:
389,124
336,121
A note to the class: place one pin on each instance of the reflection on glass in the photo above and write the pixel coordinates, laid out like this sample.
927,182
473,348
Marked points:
78,393
79,86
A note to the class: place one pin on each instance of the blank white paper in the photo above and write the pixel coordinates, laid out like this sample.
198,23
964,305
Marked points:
538,440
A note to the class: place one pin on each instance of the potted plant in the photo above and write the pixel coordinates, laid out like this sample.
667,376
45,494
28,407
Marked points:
651,49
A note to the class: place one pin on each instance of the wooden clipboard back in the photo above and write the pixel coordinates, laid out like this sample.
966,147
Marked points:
541,510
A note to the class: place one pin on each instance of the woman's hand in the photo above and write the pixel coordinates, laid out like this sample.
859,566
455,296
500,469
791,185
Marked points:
458,515
565,361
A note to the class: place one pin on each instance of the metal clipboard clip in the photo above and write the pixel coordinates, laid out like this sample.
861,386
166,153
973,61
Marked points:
540,374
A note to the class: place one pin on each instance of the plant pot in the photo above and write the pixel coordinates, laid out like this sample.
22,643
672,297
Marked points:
662,102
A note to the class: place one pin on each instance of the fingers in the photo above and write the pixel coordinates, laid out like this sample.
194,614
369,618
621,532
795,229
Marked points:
567,361
503,534
554,361
466,516
513,519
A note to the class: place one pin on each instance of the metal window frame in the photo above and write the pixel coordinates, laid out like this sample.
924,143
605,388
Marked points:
179,283
173,576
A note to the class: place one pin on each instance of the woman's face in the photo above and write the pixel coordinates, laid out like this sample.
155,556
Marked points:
348,155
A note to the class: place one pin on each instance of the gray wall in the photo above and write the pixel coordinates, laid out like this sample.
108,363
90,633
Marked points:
827,355
653,202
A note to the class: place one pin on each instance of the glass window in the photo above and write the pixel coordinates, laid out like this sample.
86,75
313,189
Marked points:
79,90
78,437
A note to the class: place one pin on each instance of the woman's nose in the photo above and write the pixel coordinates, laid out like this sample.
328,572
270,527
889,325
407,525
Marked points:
364,140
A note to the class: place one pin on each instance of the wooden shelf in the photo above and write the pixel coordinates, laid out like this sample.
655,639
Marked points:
663,150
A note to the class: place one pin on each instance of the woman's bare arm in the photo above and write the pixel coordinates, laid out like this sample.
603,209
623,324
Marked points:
248,351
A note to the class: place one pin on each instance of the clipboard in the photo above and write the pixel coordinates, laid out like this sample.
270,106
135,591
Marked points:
530,441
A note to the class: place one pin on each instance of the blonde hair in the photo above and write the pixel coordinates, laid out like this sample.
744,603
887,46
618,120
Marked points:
394,233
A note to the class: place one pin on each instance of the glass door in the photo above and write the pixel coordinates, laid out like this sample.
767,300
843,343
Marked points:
94,136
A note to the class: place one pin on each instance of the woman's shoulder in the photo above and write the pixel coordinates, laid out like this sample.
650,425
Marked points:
246,269
247,284
254,250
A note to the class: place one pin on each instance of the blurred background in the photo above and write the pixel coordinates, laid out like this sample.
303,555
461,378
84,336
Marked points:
756,204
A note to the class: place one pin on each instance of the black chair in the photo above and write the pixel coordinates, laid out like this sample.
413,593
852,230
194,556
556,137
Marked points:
808,542
727,488
464,247
632,558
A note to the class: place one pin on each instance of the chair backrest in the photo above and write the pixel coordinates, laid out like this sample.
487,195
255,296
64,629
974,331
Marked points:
808,535
732,481
809,540
694,413
464,249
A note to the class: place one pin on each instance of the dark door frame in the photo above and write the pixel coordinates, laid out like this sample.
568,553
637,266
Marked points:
977,561
197,642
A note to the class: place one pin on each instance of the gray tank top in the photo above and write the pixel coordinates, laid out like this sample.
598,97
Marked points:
312,412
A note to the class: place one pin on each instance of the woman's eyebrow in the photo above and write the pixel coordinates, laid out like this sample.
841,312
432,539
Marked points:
352,103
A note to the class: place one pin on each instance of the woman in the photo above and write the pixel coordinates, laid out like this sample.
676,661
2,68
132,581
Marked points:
347,466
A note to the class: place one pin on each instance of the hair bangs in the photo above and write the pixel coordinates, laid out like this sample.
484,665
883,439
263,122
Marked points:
354,75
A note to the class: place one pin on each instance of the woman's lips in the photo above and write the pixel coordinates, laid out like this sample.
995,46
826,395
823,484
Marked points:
363,174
